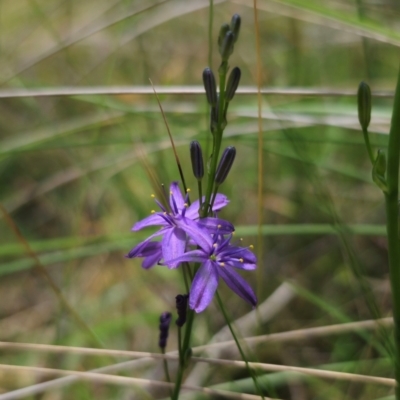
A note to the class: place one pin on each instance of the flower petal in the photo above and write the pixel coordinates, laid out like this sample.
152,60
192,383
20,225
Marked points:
204,285
176,196
236,252
199,235
216,225
152,259
238,284
220,202
153,219
189,256
242,265
173,245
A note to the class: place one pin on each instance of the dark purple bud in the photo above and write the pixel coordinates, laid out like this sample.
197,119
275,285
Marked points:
226,47
196,157
235,26
210,86
165,320
181,308
225,164
233,83
364,104
222,32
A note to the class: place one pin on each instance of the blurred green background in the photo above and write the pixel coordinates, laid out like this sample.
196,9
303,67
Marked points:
77,171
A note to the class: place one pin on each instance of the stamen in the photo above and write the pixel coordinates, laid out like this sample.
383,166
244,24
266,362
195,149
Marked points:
185,205
215,245
170,192
152,196
187,190
152,211
219,226
241,260
222,264
251,247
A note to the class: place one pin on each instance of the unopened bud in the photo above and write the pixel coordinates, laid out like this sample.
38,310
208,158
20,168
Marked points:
196,157
210,86
165,320
226,47
233,83
225,164
235,26
181,307
364,105
225,28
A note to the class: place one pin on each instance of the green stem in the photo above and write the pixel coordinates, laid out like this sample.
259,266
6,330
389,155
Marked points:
391,199
182,354
200,190
210,37
244,358
368,145
166,370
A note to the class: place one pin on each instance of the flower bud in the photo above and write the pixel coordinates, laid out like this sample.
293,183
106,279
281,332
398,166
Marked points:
181,307
226,47
196,157
210,86
235,26
165,320
222,33
233,83
364,105
225,164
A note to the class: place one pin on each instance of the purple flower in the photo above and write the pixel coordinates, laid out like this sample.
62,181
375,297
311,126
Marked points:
176,225
218,259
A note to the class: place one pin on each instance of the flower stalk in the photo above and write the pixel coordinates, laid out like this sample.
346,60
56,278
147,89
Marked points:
190,232
386,175
392,223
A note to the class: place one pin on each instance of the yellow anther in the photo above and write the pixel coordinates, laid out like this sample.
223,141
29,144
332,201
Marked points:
152,195
152,211
241,260
187,190
233,233
219,226
222,264
185,205
165,213
170,192
251,247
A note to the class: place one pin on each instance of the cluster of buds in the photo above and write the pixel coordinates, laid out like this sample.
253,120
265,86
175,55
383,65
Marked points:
228,35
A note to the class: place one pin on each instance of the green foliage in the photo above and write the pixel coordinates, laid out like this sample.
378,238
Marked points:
77,170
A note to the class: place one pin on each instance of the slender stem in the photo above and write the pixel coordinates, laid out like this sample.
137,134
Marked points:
391,199
182,353
185,270
244,358
210,37
166,370
368,145
200,190
180,345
